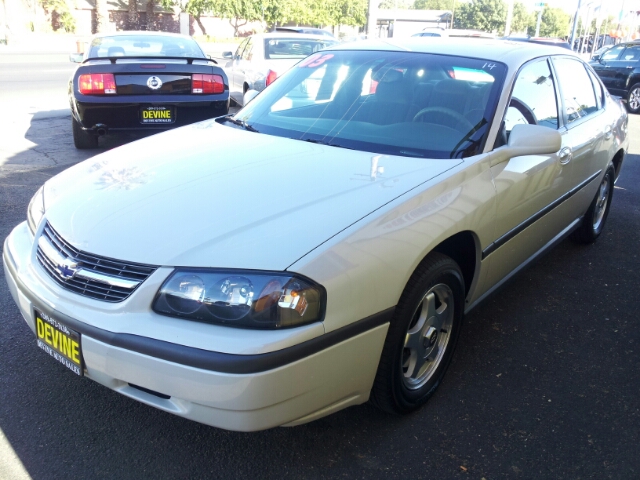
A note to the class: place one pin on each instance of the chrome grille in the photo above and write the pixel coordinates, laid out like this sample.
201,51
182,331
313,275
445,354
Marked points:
87,274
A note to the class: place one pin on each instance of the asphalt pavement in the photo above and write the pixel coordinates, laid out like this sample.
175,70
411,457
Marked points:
545,382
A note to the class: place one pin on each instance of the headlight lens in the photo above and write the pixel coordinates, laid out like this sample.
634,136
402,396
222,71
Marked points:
243,299
35,211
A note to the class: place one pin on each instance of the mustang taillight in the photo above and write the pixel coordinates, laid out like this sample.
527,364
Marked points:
97,84
271,77
205,83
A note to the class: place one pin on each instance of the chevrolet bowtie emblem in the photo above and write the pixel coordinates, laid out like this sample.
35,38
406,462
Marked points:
67,269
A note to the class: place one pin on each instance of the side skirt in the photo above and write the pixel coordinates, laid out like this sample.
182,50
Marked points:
549,245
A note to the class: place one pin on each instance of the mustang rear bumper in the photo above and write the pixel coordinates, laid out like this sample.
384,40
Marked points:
124,113
290,386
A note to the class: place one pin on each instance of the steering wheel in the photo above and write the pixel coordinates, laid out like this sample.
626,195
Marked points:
524,110
445,111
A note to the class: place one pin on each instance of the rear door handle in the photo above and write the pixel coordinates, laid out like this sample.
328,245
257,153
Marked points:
565,155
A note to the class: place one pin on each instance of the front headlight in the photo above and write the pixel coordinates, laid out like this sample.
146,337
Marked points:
240,298
35,211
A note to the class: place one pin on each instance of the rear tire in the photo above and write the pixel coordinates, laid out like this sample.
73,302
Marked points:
81,139
633,99
596,217
421,338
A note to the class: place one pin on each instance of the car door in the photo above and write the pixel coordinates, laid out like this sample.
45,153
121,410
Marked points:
529,189
587,135
608,68
622,70
241,66
232,67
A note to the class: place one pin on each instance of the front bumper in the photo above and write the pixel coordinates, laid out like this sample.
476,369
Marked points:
299,375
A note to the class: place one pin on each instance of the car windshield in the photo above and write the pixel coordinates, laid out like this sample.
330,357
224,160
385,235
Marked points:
397,103
293,48
144,46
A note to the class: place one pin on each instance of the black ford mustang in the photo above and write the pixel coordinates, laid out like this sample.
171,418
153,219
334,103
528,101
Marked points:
137,81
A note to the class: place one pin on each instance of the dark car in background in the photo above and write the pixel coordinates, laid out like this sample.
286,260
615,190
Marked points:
143,81
619,70
309,30
556,42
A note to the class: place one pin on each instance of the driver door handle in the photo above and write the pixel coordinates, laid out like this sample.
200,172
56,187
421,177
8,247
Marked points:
608,132
565,155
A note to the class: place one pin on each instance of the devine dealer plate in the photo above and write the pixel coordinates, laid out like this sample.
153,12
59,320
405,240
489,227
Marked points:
60,342
155,114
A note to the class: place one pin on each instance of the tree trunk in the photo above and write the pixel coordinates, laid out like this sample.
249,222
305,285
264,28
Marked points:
132,16
102,16
151,17
235,23
199,22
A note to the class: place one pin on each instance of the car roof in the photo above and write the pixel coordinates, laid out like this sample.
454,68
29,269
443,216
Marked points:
308,36
511,53
141,33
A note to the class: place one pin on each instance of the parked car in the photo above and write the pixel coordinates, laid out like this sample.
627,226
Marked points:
261,58
275,266
310,30
452,33
558,42
143,81
619,70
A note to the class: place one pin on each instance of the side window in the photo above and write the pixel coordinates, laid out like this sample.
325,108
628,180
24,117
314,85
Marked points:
248,51
578,96
612,53
597,86
534,98
241,48
631,54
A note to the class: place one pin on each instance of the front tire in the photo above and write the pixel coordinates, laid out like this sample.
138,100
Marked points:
596,217
81,139
633,99
421,338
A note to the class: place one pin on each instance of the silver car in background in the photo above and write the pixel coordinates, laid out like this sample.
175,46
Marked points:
262,58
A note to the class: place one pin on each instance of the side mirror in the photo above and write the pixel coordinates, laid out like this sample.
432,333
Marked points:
528,140
76,57
596,58
227,55
250,95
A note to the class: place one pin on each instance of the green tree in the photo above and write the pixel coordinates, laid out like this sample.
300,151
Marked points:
391,4
487,15
522,18
433,4
195,8
61,17
554,23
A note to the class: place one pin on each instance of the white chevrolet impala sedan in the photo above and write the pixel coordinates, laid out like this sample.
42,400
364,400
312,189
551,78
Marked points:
319,248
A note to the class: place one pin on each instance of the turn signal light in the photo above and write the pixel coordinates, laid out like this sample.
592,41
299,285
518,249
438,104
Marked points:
97,84
271,77
205,83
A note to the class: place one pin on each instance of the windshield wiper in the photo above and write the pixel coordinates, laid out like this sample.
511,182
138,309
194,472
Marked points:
322,142
240,123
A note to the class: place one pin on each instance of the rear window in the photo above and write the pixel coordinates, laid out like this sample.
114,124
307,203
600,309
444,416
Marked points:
275,48
144,46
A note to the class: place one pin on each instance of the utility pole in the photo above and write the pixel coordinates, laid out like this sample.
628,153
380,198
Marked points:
453,11
372,18
538,22
575,24
507,27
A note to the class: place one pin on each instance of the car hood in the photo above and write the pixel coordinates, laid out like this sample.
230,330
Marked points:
210,195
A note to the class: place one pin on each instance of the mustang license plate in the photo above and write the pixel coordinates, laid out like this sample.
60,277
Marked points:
60,342
157,115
